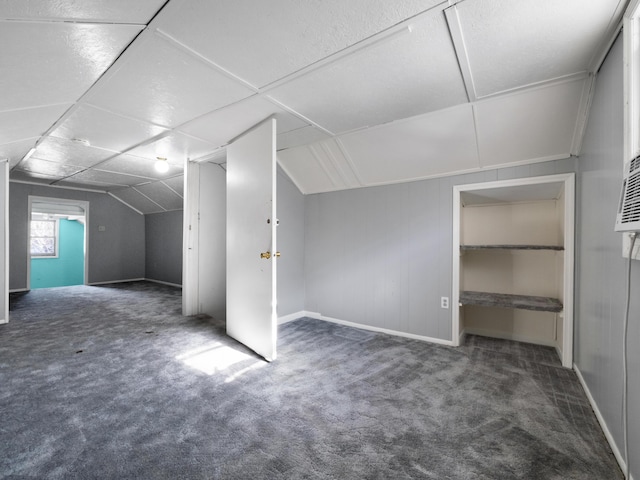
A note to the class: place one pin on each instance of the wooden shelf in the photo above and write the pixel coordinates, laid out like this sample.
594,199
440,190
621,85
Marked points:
525,302
512,247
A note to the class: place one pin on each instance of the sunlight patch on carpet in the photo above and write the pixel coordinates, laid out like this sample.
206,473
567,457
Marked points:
218,358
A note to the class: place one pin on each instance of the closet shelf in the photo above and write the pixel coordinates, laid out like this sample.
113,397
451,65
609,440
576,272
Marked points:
512,247
525,302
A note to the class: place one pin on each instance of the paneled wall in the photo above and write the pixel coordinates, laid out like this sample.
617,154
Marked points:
117,253
290,203
381,256
601,270
163,246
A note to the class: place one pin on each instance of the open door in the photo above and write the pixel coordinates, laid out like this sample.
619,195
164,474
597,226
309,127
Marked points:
251,239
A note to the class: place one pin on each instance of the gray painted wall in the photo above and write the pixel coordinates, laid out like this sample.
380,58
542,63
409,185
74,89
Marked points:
601,270
163,246
382,256
290,204
115,254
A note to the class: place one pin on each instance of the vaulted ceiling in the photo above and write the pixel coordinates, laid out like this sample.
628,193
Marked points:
365,92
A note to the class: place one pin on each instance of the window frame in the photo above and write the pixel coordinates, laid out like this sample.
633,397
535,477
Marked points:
56,238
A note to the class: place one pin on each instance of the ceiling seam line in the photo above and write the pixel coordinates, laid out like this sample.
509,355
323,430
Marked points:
125,203
324,168
462,55
220,69
148,198
388,33
349,160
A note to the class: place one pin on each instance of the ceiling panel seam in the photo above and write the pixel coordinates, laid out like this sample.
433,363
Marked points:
457,38
204,60
335,163
299,115
613,29
123,115
475,134
172,189
401,28
88,91
125,203
586,98
571,77
349,160
346,53
149,198
58,186
324,167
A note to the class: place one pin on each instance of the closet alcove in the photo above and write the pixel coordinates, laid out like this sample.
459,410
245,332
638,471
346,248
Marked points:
513,261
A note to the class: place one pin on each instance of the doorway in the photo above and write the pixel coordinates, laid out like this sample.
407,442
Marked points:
57,242
513,249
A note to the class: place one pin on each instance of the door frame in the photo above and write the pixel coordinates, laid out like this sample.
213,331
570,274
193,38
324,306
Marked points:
569,250
60,201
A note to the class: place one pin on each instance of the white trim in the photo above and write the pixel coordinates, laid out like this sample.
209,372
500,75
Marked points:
586,98
569,239
396,333
601,421
125,203
63,187
162,282
569,270
84,204
93,284
5,254
462,54
293,316
19,290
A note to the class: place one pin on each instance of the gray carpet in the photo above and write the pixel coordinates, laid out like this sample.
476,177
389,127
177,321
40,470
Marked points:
113,383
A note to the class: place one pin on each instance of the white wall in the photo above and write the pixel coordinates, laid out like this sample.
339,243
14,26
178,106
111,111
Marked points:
381,256
601,270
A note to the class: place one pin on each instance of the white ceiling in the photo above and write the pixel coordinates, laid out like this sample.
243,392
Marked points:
365,92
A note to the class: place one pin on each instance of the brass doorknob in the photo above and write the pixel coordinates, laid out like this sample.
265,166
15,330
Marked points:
277,254
266,255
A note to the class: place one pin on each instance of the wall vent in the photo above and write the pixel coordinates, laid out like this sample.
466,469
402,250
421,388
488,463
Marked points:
628,217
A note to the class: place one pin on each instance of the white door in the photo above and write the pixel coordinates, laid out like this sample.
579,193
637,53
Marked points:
251,239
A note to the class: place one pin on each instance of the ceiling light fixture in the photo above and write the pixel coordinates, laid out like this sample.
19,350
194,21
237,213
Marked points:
161,165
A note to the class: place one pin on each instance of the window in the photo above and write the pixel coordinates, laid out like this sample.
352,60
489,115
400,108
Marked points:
44,238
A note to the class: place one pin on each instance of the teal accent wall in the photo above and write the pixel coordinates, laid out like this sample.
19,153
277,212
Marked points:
68,268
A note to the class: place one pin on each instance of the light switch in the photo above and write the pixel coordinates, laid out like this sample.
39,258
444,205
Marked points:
102,228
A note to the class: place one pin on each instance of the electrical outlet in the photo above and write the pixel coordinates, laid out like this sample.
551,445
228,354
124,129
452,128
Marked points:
444,302
626,243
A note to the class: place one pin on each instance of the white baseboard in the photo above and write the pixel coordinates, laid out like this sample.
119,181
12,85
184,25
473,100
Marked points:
19,290
4,321
116,281
509,336
163,282
397,333
292,316
603,424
